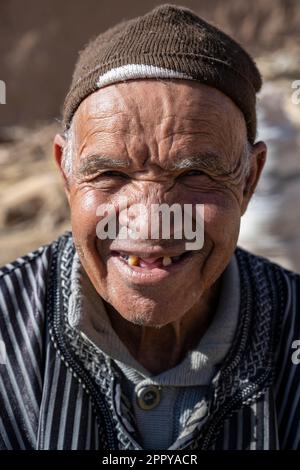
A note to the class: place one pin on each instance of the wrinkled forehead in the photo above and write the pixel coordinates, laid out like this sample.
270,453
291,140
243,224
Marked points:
162,108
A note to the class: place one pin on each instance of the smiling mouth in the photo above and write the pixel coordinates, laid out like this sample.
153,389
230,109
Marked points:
149,263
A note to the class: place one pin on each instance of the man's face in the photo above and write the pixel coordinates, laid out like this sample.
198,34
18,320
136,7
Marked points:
130,142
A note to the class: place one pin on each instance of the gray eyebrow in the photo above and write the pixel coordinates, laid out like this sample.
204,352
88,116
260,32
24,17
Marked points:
208,160
94,163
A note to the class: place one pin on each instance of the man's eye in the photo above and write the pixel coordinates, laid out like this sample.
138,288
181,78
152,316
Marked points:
193,173
114,174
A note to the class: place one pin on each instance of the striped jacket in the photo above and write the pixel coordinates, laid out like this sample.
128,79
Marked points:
58,392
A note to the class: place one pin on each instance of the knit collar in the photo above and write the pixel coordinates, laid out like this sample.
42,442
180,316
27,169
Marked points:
87,313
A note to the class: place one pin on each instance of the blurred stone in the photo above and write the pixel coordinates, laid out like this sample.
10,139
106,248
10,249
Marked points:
283,63
271,225
34,208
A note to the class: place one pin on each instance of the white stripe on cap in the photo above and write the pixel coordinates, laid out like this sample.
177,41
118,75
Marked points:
131,71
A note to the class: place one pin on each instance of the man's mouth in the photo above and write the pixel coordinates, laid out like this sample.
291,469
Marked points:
152,266
149,263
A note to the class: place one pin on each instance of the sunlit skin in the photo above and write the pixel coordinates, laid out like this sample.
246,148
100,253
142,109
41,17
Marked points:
147,128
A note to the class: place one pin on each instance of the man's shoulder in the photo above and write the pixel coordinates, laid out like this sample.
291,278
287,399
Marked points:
266,264
274,288
23,281
21,263
38,258
23,343
276,291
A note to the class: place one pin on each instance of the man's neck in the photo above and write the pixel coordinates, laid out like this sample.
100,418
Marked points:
160,349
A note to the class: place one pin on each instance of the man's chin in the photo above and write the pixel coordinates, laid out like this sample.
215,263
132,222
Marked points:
152,316
145,321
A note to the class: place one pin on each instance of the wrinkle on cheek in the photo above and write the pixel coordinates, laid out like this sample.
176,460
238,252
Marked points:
229,189
220,212
221,224
86,203
83,212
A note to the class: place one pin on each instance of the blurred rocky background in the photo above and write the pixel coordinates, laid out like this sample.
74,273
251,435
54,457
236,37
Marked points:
39,42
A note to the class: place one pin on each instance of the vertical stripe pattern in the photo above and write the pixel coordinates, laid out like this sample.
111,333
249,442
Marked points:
44,404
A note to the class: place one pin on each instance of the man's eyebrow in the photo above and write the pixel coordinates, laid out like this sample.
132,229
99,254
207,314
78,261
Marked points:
93,163
210,161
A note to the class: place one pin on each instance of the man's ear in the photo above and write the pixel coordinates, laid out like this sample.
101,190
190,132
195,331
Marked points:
58,145
257,161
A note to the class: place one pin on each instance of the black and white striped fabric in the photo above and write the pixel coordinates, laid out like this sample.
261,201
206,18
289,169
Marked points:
58,392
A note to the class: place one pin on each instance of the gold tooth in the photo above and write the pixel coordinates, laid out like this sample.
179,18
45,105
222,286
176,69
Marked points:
133,260
166,261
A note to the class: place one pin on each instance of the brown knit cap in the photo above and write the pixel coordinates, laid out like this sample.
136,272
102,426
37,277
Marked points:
168,42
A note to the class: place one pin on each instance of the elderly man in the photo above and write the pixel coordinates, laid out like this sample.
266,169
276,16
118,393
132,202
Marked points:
139,342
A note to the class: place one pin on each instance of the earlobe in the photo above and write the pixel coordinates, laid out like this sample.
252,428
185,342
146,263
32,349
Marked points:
258,159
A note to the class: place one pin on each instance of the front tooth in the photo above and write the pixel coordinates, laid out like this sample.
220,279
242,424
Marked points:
133,260
166,261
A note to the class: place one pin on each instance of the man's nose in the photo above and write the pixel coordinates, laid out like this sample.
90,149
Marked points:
137,219
142,213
